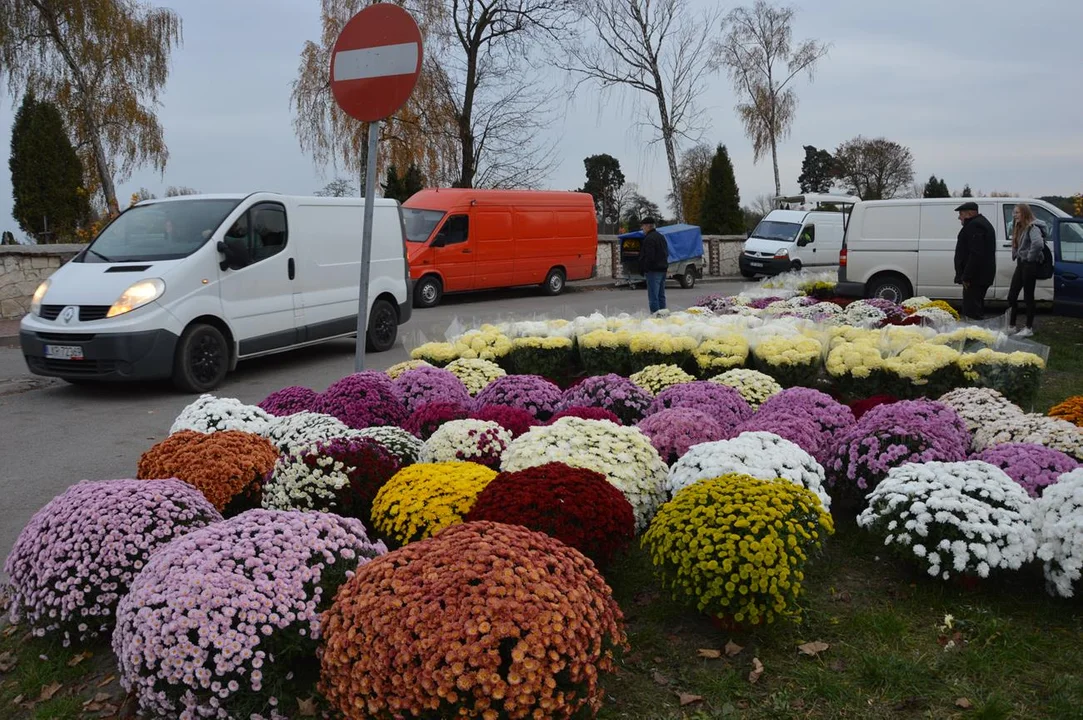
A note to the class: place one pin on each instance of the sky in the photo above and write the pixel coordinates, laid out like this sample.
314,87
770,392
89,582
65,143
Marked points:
983,93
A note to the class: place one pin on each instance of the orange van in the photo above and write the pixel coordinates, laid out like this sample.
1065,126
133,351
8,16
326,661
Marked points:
463,239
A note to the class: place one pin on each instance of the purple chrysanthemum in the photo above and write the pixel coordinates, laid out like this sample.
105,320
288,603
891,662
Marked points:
675,430
720,402
515,420
761,303
532,393
425,385
1033,466
362,400
289,401
802,431
926,416
611,392
830,416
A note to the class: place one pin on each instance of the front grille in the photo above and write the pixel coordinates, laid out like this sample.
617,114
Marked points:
87,313
73,367
65,337
758,255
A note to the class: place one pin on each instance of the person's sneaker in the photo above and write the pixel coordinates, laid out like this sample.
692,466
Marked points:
1024,333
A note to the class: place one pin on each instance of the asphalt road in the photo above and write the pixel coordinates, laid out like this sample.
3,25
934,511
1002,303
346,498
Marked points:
53,434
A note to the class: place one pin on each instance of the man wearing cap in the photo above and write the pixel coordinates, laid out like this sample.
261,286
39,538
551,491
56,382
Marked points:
975,259
654,264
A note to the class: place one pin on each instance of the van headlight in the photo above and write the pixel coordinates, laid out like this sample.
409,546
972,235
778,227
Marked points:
783,253
39,295
138,295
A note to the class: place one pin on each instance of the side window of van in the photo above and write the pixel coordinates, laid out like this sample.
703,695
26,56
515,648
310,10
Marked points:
455,230
807,235
1040,214
1071,241
268,236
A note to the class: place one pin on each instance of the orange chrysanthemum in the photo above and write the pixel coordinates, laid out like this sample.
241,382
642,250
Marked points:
1070,410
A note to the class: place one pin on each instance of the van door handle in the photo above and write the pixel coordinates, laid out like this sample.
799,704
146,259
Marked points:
467,250
1070,276
292,269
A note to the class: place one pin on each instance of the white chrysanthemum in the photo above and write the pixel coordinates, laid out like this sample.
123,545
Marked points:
623,454
306,428
479,441
474,373
954,518
400,443
212,414
978,406
755,387
758,454
1058,523
1054,433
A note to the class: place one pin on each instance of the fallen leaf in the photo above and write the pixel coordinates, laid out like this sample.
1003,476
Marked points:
107,680
18,699
813,649
79,658
7,662
659,678
733,649
841,597
10,630
709,654
108,710
658,659
99,698
963,703
757,670
837,666
307,708
688,698
48,691
798,704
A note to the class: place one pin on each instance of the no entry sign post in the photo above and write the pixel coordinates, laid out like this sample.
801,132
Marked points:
374,67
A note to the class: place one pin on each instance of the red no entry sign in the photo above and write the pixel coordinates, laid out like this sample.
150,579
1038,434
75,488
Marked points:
376,62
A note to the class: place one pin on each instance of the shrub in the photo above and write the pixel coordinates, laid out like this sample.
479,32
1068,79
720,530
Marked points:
1034,467
475,374
737,546
362,400
405,446
305,428
289,401
228,467
225,621
978,406
534,394
1053,433
1070,410
340,476
721,402
963,517
427,419
798,429
421,500
212,414
1058,523
673,431
755,387
78,555
576,506
478,441
656,378
510,623
829,415
426,385
624,455
614,393
515,420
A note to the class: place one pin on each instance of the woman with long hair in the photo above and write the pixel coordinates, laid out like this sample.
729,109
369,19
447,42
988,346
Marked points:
1028,241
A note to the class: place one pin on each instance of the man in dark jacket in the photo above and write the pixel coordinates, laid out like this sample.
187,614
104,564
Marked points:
975,259
654,264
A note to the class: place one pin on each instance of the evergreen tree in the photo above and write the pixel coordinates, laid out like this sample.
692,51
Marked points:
936,188
46,174
393,186
815,174
413,182
967,192
722,214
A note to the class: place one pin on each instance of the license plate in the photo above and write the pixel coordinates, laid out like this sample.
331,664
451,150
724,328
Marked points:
63,352
755,264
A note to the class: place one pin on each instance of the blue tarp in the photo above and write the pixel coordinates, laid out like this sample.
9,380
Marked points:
685,241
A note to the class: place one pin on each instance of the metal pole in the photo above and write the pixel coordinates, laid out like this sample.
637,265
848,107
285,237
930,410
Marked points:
366,246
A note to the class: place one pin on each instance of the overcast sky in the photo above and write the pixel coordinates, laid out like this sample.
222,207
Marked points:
985,93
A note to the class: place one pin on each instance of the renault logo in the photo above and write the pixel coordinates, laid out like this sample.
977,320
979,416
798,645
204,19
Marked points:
68,315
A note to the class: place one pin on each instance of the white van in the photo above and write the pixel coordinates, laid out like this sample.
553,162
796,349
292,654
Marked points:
805,232
896,249
185,287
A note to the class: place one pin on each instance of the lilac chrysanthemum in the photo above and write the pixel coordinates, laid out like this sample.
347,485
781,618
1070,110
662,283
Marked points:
715,302
798,429
515,420
532,393
761,303
611,392
289,401
425,385
925,416
78,555
830,416
219,621
362,400
427,419
673,431
721,402
586,413
1033,466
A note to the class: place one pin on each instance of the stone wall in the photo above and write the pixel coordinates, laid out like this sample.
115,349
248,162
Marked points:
720,256
22,268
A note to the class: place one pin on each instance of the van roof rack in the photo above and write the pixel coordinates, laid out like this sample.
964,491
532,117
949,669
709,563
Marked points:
810,200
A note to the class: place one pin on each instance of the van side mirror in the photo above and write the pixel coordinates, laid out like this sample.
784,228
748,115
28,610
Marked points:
235,251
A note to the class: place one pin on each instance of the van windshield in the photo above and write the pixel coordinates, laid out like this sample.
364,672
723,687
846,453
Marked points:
420,223
775,230
159,231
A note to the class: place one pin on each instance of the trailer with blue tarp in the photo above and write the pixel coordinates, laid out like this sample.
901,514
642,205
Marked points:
685,244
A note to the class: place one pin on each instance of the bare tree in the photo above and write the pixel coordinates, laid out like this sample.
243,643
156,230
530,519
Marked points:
875,169
179,190
339,187
758,52
763,204
653,47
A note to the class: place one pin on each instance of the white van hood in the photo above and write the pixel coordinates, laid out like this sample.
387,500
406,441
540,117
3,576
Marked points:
766,248
79,283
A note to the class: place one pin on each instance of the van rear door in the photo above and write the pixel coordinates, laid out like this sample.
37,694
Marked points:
1068,267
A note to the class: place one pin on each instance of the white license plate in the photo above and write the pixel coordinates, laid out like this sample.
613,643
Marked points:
755,264
63,352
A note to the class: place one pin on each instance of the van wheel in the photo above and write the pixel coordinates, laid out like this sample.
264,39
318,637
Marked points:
428,292
891,287
554,282
201,360
688,279
383,327
748,274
